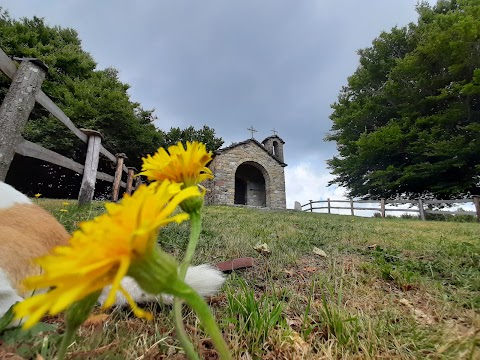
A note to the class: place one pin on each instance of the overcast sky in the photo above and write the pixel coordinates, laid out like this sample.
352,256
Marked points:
230,64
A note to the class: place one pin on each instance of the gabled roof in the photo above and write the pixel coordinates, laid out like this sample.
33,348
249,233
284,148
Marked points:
253,141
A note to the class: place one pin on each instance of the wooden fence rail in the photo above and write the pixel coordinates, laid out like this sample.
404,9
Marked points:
14,112
310,206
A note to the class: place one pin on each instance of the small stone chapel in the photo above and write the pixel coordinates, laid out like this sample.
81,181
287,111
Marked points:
249,173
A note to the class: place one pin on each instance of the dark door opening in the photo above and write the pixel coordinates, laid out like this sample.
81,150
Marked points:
240,192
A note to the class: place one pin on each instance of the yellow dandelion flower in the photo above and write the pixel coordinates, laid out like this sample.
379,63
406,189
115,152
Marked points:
63,210
187,166
38,195
65,203
104,250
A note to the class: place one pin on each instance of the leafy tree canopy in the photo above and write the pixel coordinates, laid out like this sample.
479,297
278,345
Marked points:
408,122
91,98
205,135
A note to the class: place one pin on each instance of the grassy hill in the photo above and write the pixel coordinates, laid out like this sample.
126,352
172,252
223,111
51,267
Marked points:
387,288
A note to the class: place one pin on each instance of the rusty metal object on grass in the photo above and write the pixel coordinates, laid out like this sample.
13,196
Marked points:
235,264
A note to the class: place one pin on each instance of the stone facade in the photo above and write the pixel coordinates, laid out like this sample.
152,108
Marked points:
249,173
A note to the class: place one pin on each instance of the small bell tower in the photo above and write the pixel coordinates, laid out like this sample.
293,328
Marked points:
274,145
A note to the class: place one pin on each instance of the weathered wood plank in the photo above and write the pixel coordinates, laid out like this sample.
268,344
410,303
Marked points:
317,208
30,149
443,212
15,110
109,178
7,66
105,177
400,201
315,202
367,208
403,210
434,201
49,105
339,207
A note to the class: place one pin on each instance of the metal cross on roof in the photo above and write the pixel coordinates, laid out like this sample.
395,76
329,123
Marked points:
252,130
274,132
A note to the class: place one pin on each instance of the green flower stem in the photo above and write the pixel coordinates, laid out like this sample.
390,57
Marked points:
195,229
198,303
192,298
75,315
180,330
66,340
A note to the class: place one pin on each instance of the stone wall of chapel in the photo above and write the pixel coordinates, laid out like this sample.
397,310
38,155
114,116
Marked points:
224,166
256,194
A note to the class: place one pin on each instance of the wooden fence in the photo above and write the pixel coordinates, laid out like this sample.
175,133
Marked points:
24,91
311,205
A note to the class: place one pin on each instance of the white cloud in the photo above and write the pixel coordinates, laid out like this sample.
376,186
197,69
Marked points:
306,182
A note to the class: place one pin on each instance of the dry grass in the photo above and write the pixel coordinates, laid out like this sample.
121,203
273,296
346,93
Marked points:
388,289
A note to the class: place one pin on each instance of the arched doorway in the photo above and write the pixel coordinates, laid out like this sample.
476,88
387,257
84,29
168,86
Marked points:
250,185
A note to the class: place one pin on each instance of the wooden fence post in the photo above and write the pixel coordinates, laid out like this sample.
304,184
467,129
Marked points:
311,207
382,207
118,175
420,209
351,207
476,201
16,108
138,182
131,175
91,165
328,205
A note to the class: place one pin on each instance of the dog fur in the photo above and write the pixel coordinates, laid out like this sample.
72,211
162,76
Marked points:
27,231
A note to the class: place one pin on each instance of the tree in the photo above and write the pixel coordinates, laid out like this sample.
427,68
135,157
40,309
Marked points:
408,123
205,135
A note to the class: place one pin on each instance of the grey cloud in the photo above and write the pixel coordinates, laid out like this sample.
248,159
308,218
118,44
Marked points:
231,64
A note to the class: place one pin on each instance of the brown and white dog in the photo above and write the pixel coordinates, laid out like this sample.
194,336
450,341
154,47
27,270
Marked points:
27,231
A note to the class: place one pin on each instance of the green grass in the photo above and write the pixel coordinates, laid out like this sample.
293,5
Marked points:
388,288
